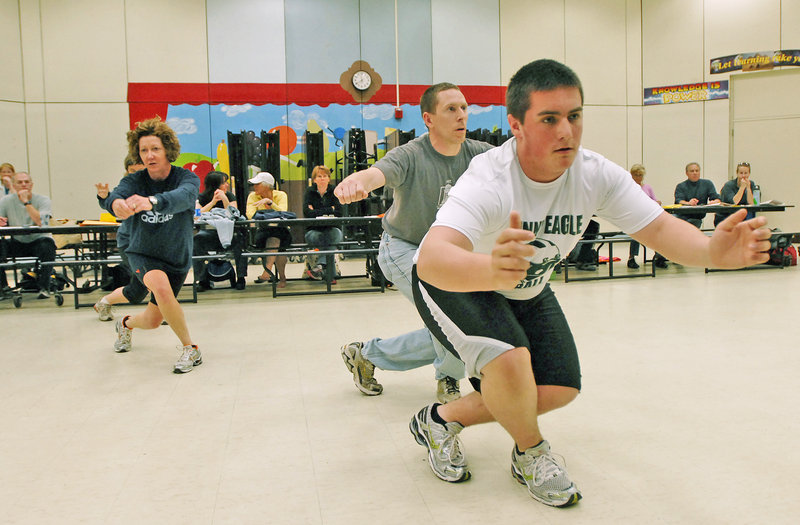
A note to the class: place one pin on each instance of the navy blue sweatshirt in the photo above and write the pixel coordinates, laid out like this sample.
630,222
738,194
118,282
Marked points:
165,232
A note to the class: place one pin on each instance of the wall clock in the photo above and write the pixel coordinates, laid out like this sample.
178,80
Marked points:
361,81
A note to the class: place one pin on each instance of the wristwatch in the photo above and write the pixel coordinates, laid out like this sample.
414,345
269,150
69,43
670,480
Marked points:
153,201
26,203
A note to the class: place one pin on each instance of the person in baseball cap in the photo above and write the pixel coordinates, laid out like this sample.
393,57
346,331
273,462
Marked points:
263,178
265,197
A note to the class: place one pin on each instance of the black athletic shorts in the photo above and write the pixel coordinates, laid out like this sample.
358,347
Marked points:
140,265
479,326
135,291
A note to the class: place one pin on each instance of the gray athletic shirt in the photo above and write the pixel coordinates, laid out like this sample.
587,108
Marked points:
421,177
13,209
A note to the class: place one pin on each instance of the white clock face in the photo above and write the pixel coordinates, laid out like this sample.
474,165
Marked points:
362,80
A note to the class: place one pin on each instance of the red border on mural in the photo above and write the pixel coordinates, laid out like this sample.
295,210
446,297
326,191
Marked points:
148,99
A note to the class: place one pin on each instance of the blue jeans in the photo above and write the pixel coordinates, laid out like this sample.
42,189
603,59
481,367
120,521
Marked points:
324,240
417,348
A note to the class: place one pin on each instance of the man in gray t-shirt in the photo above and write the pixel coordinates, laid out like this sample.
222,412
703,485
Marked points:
26,208
421,173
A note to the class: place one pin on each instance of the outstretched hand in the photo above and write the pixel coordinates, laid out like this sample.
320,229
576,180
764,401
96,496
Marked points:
737,243
350,190
102,190
511,254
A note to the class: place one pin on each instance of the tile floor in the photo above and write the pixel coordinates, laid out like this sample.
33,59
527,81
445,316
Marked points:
690,413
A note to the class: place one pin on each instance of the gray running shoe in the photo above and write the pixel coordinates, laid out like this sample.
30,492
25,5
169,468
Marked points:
444,448
190,358
447,390
104,310
547,481
362,369
123,342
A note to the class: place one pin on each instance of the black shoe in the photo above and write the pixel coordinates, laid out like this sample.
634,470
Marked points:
587,267
203,286
270,278
660,263
240,284
632,264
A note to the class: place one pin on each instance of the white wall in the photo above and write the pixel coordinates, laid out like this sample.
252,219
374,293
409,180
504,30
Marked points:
679,39
63,102
765,130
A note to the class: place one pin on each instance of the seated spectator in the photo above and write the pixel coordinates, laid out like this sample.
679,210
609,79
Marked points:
26,208
638,172
266,197
134,290
695,191
217,194
738,191
6,175
585,256
320,201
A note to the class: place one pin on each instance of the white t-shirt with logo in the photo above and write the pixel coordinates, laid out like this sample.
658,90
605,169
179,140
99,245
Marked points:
558,212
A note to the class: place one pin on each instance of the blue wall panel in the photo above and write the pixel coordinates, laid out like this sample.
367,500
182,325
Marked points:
246,41
322,39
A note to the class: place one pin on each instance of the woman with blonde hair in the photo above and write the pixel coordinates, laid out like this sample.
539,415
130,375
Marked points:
637,172
319,202
738,191
7,172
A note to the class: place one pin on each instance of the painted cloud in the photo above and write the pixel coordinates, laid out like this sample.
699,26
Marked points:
182,126
380,112
232,111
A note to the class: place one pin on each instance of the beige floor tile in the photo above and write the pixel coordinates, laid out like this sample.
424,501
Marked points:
688,414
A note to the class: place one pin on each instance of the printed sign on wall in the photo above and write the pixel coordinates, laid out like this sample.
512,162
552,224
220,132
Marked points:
757,61
686,93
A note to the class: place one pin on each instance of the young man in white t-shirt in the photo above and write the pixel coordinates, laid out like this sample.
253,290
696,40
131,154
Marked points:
483,268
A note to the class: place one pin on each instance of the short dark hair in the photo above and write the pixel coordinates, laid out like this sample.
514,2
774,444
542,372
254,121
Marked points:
692,164
427,102
159,129
539,75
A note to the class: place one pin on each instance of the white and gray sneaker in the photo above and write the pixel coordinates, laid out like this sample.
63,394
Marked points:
447,390
445,457
105,311
362,369
123,342
190,358
547,480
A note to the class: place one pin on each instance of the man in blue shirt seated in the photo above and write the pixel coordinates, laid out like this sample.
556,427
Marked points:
695,191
